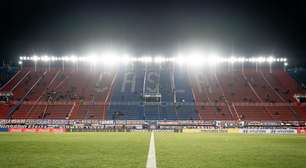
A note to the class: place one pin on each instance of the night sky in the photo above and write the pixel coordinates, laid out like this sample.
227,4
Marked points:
247,28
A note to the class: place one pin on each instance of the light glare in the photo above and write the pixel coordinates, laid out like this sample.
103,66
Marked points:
194,59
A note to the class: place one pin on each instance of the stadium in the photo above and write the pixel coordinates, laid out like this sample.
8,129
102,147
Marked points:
193,107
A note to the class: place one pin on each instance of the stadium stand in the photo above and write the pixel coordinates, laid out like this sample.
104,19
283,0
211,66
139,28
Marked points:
207,89
152,92
184,98
126,97
4,108
302,109
40,94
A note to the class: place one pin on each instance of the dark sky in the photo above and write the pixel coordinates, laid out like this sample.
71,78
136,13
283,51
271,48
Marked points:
59,27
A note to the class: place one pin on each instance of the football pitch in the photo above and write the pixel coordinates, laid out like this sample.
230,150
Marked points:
129,150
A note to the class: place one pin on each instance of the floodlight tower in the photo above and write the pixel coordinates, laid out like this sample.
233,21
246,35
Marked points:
49,66
242,64
232,61
63,64
35,59
285,66
270,61
77,65
173,88
20,64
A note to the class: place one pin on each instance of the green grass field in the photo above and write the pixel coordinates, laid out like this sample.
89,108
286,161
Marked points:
230,151
86,150
173,150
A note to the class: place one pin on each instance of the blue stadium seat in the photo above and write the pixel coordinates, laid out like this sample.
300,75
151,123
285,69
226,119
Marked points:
132,82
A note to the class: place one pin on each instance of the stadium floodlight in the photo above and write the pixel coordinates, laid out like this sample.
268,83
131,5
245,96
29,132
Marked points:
54,58
91,58
196,57
270,59
110,60
145,59
160,59
171,59
232,59
241,59
179,59
252,59
260,59
73,58
45,58
126,59
65,58
193,59
286,63
35,58
214,59
82,59
20,62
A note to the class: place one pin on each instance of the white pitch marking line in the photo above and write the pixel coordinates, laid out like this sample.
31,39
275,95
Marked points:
151,161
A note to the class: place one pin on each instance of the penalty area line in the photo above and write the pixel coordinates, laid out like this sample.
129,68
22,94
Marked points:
151,160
